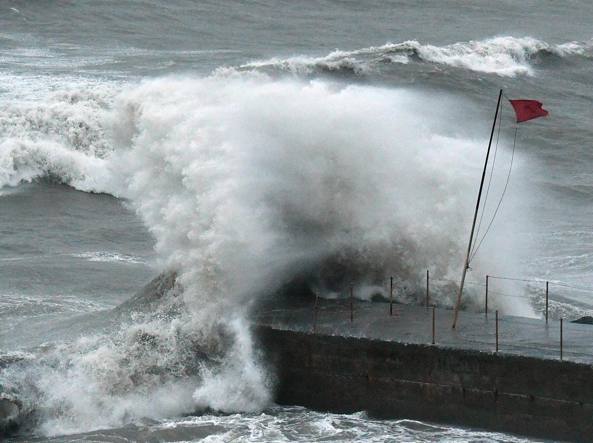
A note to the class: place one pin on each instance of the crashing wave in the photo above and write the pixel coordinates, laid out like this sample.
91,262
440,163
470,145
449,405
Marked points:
247,184
26,160
503,56
195,155
61,137
155,363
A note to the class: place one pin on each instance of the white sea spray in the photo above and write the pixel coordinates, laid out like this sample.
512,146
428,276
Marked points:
505,56
247,182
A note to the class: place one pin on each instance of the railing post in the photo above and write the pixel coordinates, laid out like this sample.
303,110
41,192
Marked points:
391,296
433,324
561,339
427,289
351,303
497,330
486,297
547,284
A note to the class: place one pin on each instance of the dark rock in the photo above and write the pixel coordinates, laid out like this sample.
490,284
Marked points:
586,320
10,413
152,295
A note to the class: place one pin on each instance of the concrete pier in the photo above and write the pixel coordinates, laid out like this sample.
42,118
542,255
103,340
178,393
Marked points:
387,366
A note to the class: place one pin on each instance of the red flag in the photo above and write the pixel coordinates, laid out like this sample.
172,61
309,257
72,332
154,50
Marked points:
528,109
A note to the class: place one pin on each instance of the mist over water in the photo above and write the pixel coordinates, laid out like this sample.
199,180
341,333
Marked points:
260,181
340,159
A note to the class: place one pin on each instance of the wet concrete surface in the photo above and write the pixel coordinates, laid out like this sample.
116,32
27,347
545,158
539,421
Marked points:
413,324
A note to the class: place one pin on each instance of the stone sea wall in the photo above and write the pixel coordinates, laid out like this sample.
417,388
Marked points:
523,395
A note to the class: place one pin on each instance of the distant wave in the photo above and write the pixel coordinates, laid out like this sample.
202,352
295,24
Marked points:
109,257
24,306
68,135
504,56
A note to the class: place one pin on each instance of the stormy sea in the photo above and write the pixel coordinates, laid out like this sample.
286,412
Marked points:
244,147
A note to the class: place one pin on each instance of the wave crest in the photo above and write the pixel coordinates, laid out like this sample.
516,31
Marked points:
503,56
248,184
61,136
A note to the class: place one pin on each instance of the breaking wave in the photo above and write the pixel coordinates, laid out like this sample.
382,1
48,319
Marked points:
60,136
109,257
503,56
247,183
155,362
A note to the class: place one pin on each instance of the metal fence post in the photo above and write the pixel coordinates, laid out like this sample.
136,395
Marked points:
433,324
561,338
427,289
547,285
391,296
486,297
497,330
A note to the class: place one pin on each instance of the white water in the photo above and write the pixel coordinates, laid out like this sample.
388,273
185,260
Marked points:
503,56
245,182
57,133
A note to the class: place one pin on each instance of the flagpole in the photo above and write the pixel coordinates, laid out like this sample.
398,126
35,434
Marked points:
471,235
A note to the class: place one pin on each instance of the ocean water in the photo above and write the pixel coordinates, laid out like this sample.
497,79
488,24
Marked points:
248,145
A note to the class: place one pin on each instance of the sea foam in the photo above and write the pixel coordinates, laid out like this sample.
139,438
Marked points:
247,183
504,56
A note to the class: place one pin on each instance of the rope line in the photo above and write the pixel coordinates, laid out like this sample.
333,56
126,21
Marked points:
517,279
490,291
525,280
576,288
472,254
501,196
554,283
